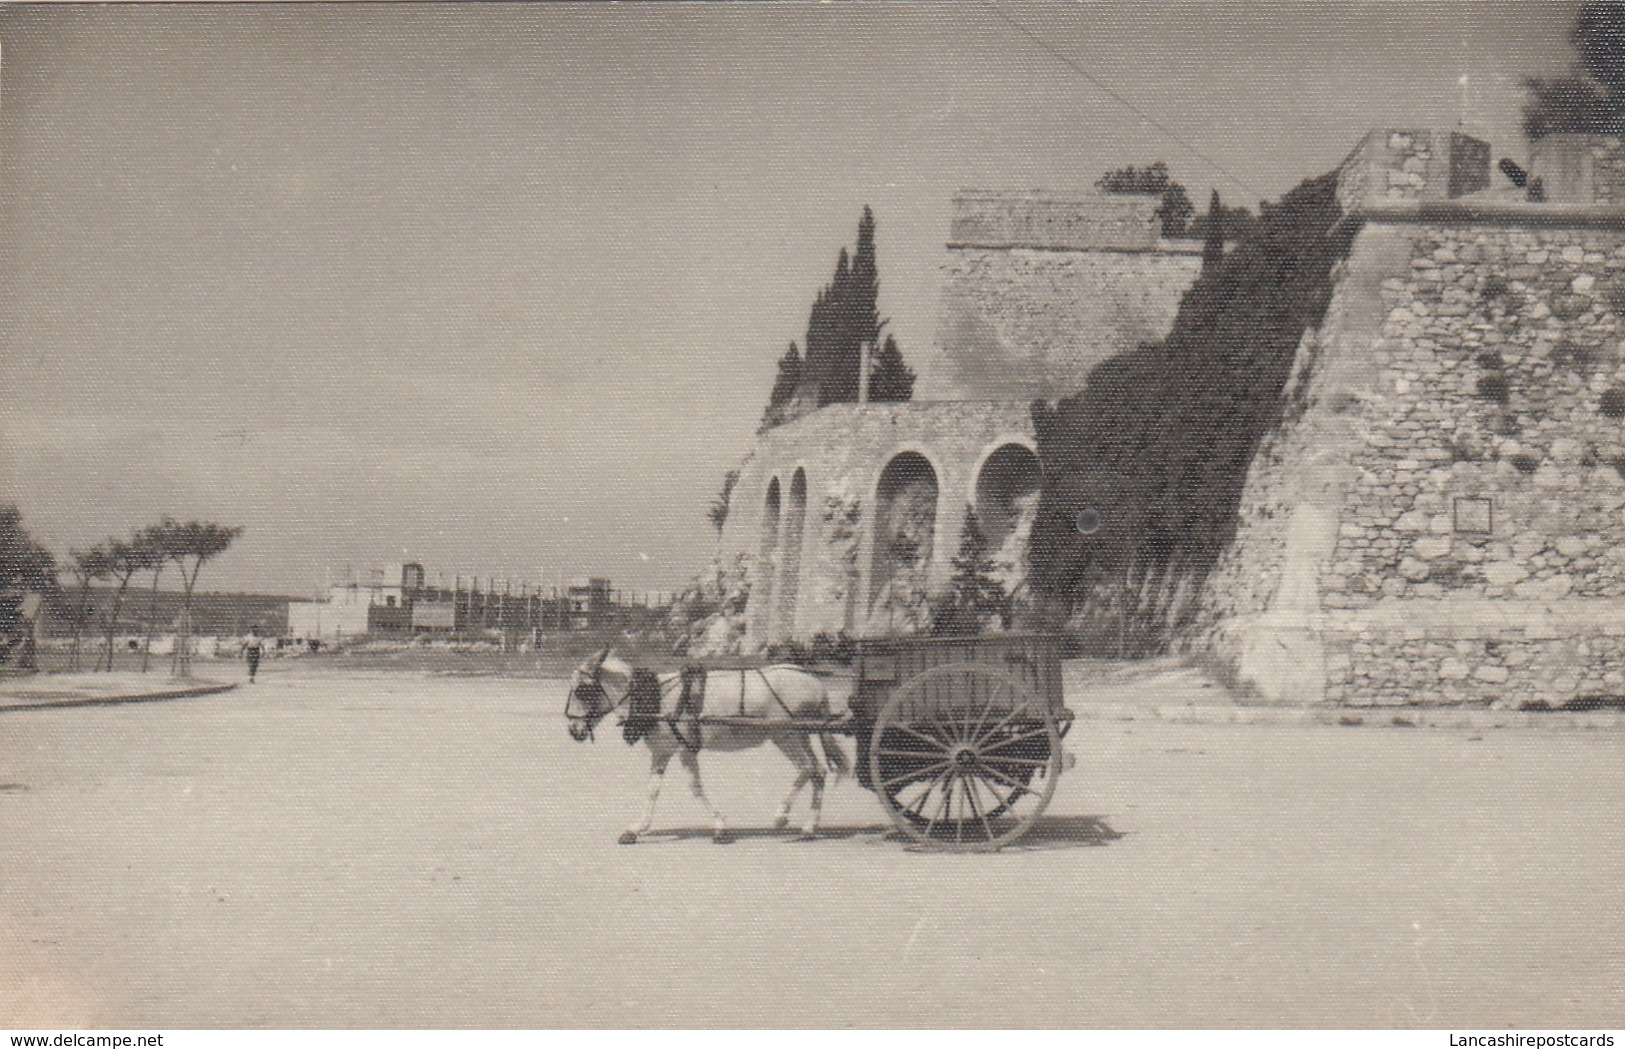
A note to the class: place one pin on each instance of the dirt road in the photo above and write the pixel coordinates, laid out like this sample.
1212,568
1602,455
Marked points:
391,850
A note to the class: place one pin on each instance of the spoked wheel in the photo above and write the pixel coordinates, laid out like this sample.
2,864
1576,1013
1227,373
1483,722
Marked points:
965,757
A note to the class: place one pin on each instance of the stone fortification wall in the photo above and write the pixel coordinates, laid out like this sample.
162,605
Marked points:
1038,289
1580,169
1442,518
1095,221
812,569
1413,164
1025,324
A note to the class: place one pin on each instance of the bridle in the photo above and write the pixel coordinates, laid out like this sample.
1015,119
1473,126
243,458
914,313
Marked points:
597,710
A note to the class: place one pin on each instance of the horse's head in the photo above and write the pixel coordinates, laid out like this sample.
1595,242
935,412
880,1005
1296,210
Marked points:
587,703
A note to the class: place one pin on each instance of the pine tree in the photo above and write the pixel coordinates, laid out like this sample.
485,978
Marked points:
976,596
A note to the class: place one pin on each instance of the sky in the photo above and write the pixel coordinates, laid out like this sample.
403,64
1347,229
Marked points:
501,288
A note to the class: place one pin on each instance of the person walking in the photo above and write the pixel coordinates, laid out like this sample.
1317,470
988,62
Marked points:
253,648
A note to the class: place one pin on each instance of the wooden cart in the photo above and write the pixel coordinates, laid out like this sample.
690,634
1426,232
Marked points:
960,737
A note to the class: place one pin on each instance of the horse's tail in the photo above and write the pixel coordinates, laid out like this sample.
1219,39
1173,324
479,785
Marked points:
834,756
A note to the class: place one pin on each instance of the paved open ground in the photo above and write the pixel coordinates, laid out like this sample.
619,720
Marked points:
396,850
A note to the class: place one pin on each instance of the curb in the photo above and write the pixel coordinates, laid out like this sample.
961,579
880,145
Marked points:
1359,717
110,701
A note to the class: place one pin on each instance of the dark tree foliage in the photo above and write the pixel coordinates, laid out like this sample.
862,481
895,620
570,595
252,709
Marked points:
1213,235
1571,105
1236,223
889,378
24,563
1160,439
1174,211
845,315
1150,181
25,566
975,598
1592,98
1599,39
785,383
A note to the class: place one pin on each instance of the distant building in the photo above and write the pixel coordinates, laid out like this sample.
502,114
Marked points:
590,603
396,600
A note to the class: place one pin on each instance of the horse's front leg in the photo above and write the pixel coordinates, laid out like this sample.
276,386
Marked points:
657,775
719,827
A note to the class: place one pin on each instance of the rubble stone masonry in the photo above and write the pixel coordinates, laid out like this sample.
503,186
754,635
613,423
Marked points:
1441,518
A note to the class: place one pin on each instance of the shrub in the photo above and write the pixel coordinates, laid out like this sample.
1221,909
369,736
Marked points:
1164,434
1491,360
1613,403
1526,464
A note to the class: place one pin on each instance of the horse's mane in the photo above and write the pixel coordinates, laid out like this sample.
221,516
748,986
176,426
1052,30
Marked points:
642,705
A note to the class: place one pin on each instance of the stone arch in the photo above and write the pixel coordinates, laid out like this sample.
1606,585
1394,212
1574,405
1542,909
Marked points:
1008,475
767,556
904,523
789,568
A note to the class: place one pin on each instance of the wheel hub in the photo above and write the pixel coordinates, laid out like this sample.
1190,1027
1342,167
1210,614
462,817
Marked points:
964,757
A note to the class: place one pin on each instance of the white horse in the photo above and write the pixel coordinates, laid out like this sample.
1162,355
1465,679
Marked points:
660,709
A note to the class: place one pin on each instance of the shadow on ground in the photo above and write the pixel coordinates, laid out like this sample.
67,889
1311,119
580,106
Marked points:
1050,832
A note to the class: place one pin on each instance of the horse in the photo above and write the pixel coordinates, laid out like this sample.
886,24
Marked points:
663,711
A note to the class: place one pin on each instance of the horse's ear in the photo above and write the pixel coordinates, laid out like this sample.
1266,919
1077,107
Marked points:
598,658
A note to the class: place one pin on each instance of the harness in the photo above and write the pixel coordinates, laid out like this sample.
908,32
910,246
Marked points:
646,697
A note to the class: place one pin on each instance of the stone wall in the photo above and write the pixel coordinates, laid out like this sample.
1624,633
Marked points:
1413,164
1580,169
1440,520
1020,322
1094,221
841,451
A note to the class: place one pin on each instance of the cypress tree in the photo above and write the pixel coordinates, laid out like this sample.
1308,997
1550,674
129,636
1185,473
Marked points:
889,378
845,315
785,384
1213,242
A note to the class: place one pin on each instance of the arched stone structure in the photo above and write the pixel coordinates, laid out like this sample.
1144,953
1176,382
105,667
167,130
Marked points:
766,561
826,584
903,545
789,567
1006,477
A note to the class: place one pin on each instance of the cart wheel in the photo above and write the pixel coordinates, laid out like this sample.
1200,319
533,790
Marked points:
965,757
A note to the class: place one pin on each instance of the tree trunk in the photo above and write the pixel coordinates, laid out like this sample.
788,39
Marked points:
152,619
112,619
183,641
79,614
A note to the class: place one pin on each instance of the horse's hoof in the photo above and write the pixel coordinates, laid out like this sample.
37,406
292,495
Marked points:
627,838
722,837
781,822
